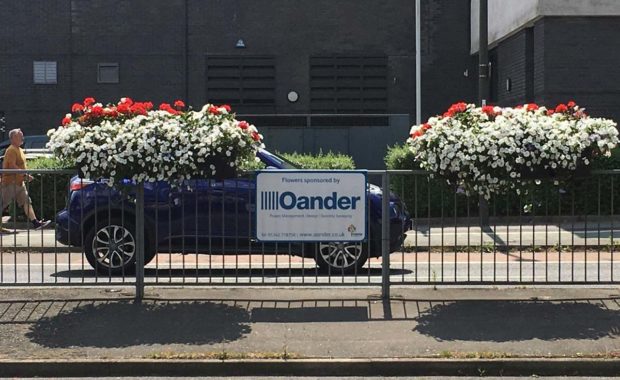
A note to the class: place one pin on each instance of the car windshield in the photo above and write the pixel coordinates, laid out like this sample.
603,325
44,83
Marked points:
281,161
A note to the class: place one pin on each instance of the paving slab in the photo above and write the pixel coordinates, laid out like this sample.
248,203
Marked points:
101,323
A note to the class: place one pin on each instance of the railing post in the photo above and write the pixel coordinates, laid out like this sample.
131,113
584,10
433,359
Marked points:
385,236
139,242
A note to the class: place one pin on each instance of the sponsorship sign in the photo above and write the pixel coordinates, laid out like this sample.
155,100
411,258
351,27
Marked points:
311,205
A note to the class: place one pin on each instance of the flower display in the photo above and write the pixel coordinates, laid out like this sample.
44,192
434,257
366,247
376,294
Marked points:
132,140
488,149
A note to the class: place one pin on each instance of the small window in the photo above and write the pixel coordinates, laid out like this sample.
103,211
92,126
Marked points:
44,72
107,73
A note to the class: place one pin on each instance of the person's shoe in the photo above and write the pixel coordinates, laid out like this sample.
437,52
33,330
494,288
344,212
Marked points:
6,231
38,224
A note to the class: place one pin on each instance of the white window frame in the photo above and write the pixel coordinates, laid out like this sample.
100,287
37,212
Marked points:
45,72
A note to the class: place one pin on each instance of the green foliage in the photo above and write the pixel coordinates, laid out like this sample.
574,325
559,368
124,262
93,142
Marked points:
425,196
433,197
328,161
48,191
321,160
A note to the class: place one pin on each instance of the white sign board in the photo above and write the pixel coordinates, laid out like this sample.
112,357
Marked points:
296,205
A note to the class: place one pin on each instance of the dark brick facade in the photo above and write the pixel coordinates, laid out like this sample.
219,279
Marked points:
562,58
161,48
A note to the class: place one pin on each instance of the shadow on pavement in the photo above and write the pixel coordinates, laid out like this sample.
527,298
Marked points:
258,272
505,321
122,324
106,323
311,314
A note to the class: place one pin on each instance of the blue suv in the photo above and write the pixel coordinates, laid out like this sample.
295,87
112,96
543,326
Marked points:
202,216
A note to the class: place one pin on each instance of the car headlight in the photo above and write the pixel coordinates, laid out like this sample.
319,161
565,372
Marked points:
395,209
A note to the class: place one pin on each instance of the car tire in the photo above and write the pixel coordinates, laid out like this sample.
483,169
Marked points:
118,236
340,257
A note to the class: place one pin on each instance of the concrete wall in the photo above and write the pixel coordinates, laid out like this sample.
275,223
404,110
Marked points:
509,16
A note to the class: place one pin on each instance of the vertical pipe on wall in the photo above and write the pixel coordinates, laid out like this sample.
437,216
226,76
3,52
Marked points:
483,53
186,53
70,57
418,65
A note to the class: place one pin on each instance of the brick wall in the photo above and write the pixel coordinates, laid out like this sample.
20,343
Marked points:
582,62
574,58
147,39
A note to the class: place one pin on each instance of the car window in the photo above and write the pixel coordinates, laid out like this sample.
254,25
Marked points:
3,147
35,142
38,145
283,162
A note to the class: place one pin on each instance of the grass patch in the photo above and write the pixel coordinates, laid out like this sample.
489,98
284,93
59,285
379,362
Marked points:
222,355
505,355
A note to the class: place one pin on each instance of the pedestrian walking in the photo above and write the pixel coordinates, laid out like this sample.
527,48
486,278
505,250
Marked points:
13,185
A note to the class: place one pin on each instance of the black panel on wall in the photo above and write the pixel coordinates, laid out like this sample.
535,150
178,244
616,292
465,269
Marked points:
245,82
348,84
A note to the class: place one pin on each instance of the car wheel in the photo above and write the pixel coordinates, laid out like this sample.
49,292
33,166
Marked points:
340,257
110,248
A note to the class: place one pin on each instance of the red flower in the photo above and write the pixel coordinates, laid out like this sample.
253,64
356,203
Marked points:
243,124
571,104
255,136
127,101
112,112
458,107
148,106
166,107
561,108
178,104
138,109
123,108
488,110
226,107
77,107
214,110
426,127
97,111
448,114
532,107
417,134
66,120
89,101
550,112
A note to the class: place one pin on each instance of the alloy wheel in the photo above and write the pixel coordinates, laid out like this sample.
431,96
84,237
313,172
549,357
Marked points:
114,246
340,255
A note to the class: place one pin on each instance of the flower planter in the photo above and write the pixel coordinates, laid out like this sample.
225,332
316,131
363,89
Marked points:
223,170
129,140
495,150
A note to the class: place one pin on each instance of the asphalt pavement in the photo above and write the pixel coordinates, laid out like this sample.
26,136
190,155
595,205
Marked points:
185,323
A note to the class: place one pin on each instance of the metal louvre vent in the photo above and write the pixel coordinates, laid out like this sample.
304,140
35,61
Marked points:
44,72
245,82
107,73
348,84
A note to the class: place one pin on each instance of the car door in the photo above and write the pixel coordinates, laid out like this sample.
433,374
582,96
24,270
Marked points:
173,208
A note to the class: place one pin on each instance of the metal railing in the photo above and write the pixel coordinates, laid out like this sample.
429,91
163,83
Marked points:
201,233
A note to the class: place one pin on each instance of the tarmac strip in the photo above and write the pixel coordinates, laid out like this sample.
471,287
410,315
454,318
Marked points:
314,367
